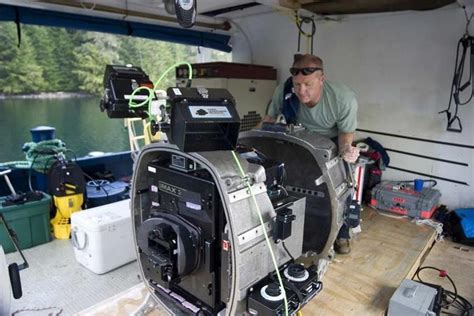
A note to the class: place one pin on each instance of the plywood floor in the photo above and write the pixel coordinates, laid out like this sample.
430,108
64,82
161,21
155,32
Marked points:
123,304
361,283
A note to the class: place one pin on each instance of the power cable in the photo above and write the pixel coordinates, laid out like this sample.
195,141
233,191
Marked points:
287,251
455,301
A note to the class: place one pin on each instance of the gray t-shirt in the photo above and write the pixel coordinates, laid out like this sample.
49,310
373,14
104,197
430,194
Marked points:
336,111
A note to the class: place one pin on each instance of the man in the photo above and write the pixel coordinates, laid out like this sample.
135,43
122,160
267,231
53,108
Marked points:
321,106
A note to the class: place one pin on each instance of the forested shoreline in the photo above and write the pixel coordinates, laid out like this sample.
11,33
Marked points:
47,95
51,60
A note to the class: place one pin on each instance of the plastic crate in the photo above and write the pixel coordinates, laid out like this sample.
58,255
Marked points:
30,221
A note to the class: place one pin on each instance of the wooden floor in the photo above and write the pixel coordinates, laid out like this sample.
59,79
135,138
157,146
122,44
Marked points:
123,304
387,251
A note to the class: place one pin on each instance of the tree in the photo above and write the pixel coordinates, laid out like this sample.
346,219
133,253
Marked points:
56,59
19,71
67,41
91,56
44,44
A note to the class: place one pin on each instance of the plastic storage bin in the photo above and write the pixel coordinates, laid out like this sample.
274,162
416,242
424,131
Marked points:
30,221
102,236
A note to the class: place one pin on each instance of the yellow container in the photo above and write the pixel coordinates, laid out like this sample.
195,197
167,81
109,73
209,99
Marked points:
62,229
65,206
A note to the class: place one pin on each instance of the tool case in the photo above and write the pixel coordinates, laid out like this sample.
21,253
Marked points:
404,200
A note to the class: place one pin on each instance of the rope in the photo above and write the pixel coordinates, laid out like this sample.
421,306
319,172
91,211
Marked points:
39,156
43,154
436,225
50,311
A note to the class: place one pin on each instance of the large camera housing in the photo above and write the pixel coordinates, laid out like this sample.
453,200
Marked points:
196,205
220,256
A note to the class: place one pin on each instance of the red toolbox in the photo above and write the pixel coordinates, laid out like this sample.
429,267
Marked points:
404,200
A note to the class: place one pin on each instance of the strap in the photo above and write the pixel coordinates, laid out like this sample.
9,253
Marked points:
290,103
18,27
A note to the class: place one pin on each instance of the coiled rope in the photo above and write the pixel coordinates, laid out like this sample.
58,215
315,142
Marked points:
39,156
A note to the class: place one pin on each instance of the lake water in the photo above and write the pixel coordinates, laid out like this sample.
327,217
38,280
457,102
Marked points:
78,122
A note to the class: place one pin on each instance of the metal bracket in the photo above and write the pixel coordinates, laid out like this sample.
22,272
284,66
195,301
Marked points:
331,163
253,233
245,193
319,181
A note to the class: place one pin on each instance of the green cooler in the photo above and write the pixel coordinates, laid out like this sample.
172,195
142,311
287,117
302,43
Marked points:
30,221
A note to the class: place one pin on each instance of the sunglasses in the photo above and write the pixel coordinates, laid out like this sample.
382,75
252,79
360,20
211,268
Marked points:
304,71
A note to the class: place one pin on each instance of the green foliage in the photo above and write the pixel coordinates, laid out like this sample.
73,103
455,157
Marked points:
57,59
43,39
96,50
19,71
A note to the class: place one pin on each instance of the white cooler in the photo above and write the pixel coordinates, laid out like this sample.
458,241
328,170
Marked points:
102,236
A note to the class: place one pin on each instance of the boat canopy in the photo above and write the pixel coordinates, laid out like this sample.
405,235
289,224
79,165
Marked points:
33,16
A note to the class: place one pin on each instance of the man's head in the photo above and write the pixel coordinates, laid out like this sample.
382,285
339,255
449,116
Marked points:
308,78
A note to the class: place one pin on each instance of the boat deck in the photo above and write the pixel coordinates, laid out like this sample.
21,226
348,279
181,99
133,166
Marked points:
56,281
361,283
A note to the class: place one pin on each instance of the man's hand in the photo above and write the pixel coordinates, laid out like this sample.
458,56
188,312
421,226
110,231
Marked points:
350,153
266,119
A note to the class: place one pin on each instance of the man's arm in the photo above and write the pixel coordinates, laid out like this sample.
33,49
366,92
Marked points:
348,152
274,107
345,140
347,124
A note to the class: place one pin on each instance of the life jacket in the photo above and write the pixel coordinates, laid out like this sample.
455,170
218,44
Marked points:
291,103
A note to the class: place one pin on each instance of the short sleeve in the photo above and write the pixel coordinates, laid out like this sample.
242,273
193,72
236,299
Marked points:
347,119
277,102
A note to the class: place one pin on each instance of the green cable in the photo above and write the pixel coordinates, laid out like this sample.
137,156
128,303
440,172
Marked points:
190,68
264,230
148,100
132,104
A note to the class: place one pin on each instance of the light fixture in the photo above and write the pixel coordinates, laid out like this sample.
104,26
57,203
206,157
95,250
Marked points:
185,11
